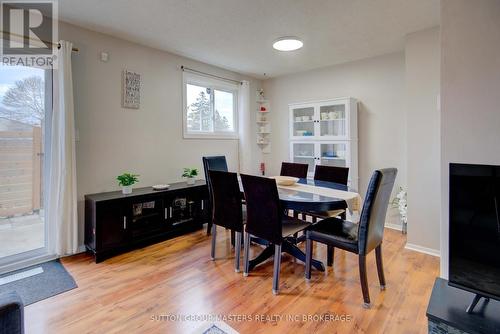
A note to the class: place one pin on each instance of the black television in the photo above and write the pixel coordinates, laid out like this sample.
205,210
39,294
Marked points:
474,233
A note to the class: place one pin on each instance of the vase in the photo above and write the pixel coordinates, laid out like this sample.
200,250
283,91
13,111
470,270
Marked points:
190,180
126,190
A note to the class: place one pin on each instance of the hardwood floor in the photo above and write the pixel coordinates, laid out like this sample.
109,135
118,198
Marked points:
129,293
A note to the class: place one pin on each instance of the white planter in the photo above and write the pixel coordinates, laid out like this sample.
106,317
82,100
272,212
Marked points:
126,190
190,180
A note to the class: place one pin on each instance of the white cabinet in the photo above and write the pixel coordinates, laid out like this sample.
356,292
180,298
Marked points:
325,120
325,133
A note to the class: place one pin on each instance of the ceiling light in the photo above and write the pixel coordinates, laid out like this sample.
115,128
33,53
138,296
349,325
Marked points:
287,44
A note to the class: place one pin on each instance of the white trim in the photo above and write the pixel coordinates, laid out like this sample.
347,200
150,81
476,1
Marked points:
421,249
396,227
27,263
216,84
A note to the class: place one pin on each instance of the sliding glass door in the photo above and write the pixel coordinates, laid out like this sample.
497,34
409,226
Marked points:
25,110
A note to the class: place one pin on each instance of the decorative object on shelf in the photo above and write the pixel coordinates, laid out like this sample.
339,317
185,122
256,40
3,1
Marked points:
400,202
263,168
260,95
263,109
190,174
126,181
131,90
161,186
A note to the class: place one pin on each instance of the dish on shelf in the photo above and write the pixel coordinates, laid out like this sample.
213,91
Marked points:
161,186
285,180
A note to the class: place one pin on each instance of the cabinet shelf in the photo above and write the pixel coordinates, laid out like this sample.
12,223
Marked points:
331,120
303,157
332,158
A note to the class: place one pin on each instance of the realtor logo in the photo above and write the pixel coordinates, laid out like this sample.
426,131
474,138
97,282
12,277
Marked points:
28,28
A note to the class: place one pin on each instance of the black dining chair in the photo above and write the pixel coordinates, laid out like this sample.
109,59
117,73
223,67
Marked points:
294,169
219,163
334,174
265,220
226,209
359,238
331,174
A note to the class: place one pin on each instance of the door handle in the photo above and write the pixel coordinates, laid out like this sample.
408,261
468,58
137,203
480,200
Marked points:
124,222
166,213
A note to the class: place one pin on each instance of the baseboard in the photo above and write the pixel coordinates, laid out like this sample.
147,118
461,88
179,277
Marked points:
81,249
421,249
396,227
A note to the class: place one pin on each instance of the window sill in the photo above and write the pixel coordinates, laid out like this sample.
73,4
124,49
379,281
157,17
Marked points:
210,136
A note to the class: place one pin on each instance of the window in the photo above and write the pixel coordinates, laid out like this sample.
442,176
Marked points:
25,117
209,107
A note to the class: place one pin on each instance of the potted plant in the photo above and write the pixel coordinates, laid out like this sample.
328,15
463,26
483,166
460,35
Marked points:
126,180
401,204
190,174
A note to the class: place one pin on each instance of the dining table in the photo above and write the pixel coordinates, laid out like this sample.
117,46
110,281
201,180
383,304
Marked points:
308,196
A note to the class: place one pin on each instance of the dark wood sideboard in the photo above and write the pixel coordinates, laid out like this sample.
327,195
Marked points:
116,223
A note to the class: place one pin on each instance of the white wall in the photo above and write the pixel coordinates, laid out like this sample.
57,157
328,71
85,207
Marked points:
422,53
378,83
147,141
470,91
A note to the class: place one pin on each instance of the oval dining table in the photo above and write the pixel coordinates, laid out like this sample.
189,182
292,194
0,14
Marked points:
303,202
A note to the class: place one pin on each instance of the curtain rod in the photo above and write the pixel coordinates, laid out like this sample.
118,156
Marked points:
46,42
184,68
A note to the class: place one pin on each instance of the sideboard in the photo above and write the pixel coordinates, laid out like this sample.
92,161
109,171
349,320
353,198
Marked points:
116,223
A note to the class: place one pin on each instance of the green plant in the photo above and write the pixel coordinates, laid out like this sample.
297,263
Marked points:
190,172
127,179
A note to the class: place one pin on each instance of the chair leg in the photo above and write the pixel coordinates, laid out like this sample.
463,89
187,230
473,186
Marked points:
329,255
232,238
209,227
277,265
237,252
214,240
380,267
364,281
308,258
246,254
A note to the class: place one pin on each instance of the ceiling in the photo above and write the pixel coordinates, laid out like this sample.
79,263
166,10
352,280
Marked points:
238,34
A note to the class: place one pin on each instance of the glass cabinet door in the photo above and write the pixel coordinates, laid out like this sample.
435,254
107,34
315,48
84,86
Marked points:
333,154
304,153
333,120
303,122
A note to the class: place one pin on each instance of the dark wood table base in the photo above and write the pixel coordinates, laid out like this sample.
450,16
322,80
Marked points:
288,247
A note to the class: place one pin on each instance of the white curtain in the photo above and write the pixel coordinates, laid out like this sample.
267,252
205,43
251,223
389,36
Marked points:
61,206
245,127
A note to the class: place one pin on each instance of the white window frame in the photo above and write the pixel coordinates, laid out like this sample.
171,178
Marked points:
217,84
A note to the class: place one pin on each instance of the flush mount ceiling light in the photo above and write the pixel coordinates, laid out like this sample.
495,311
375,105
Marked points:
287,44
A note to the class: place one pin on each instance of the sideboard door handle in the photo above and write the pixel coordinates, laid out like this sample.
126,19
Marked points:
166,213
124,222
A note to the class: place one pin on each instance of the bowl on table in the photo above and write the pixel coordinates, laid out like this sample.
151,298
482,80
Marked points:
285,180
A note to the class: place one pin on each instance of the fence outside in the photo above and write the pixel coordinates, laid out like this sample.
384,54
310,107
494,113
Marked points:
20,171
